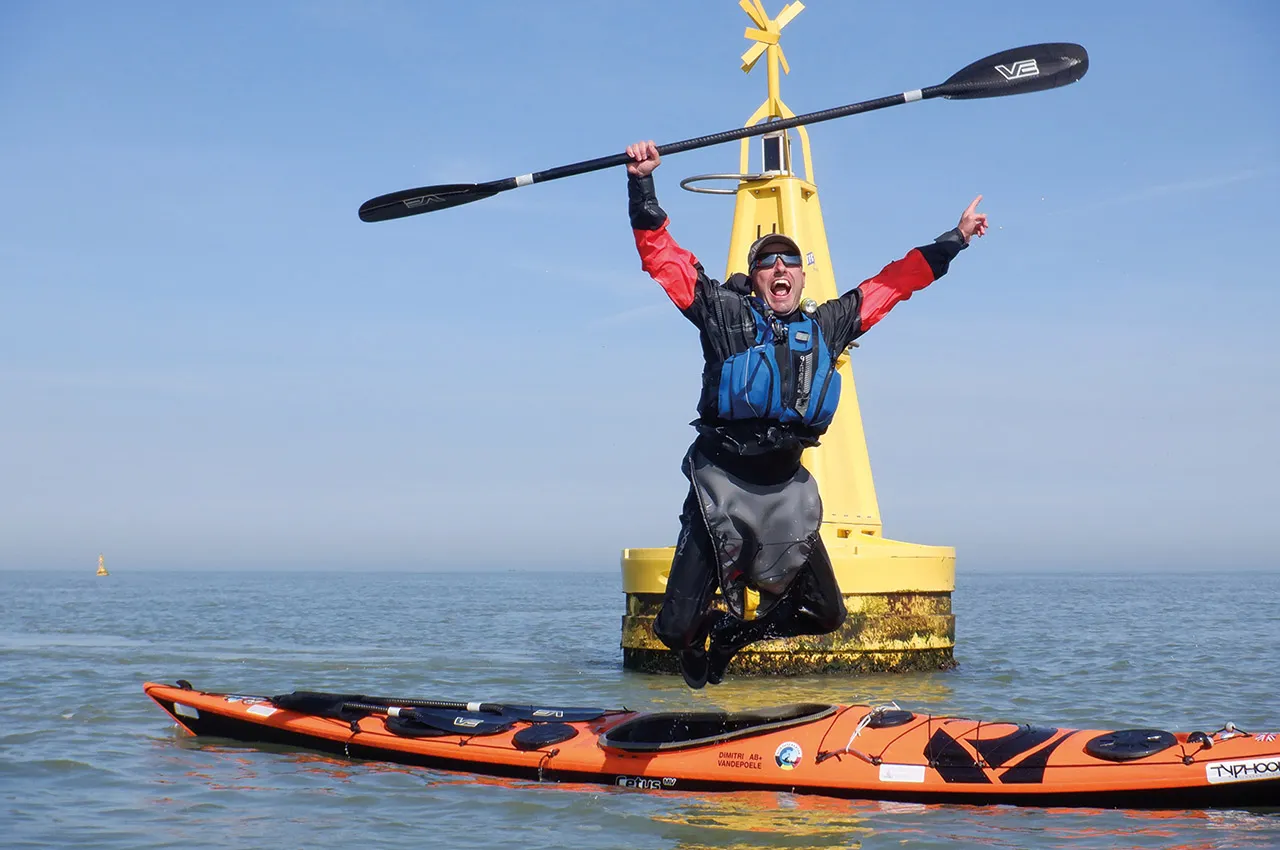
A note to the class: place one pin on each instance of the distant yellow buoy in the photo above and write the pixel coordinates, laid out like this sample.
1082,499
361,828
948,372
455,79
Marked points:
102,567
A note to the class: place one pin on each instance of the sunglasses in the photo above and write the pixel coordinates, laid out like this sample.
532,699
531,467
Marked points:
765,261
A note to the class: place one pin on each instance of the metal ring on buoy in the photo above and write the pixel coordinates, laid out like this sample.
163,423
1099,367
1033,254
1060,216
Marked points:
685,183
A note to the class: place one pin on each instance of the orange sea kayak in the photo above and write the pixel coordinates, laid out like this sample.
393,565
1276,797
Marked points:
852,751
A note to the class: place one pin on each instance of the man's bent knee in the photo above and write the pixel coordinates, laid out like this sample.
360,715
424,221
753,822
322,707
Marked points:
678,630
831,617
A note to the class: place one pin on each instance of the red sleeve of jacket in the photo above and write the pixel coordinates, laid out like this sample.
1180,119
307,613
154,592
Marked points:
896,282
671,266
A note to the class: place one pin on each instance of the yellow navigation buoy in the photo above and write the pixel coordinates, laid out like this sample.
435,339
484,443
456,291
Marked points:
898,594
102,566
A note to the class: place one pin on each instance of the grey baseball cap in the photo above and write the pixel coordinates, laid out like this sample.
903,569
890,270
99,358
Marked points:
785,243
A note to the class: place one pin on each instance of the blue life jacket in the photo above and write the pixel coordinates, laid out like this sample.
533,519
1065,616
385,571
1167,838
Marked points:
788,375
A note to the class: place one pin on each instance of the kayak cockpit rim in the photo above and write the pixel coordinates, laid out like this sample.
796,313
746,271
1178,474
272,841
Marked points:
681,730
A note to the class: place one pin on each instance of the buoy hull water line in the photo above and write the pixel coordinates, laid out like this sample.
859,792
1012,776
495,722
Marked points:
850,751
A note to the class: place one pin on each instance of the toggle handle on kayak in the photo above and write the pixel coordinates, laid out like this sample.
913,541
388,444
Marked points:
875,761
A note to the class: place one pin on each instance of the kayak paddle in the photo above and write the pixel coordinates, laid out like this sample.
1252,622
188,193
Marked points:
1018,71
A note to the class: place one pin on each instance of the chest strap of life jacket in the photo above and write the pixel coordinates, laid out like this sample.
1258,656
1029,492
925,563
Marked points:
787,375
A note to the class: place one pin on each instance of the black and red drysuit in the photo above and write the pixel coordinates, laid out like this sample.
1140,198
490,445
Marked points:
754,455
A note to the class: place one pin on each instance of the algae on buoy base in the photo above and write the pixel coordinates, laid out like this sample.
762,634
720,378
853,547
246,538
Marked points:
898,596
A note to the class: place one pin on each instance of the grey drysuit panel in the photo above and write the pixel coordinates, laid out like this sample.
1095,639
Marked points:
762,533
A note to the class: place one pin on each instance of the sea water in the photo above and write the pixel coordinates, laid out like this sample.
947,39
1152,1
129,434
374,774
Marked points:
87,761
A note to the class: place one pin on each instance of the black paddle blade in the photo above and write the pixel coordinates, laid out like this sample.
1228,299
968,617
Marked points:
1035,67
456,722
426,199
538,714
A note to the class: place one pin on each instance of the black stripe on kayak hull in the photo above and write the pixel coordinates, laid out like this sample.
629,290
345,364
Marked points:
1264,793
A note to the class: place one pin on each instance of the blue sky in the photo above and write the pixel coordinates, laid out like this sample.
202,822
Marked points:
206,359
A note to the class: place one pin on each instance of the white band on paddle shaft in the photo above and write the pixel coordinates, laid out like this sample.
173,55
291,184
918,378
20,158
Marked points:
909,96
475,706
522,180
392,711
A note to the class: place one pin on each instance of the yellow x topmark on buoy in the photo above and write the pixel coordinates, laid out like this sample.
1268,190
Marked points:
766,37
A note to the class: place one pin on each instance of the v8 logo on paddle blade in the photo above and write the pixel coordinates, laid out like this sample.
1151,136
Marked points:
1019,70
425,199
1035,67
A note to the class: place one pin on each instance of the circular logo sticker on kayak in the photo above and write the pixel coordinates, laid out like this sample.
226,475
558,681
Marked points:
788,755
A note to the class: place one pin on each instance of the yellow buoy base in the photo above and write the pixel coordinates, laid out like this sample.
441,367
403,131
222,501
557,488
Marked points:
898,596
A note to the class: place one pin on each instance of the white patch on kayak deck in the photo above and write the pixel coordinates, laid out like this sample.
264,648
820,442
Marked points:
902,773
185,711
1242,770
788,755
261,710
